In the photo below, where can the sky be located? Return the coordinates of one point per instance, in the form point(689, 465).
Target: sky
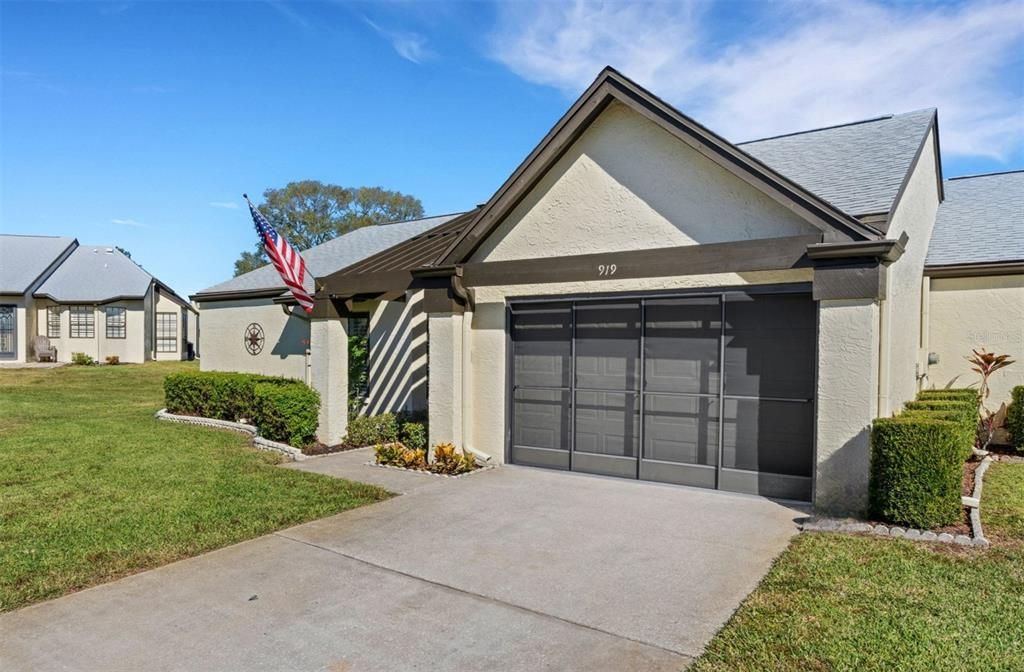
point(140, 124)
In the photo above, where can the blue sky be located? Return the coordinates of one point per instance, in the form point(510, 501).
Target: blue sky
point(140, 124)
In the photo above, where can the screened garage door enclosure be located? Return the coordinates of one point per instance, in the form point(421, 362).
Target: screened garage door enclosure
point(715, 390)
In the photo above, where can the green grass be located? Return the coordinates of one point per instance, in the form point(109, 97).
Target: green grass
point(839, 602)
point(92, 487)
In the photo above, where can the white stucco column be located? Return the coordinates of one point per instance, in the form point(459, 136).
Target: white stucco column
point(444, 378)
point(328, 346)
point(847, 402)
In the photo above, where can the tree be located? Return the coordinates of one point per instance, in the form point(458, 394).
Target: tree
point(309, 213)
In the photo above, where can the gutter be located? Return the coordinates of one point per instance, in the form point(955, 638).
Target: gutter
point(885, 250)
point(975, 269)
point(238, 294)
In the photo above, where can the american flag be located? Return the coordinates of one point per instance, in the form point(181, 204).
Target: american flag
point(286, 259)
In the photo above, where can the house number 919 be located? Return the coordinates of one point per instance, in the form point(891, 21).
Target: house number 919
point(607, 269)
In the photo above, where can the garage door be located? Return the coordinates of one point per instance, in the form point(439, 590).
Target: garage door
point(713, 391)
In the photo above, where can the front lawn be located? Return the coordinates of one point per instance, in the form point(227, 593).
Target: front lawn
point(92, 487)
point(839, 602)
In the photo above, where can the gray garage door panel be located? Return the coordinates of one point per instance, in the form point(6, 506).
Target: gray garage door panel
point(713, 391)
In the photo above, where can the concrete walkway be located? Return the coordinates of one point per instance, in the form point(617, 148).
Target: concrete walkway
point(511, 569)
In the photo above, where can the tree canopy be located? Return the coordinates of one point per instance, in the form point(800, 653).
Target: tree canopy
point(310, 212)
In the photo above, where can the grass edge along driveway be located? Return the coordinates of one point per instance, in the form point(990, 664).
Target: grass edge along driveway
point(93, 487)
point(843, 602)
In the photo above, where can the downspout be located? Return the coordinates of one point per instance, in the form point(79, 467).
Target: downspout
point(926, 335)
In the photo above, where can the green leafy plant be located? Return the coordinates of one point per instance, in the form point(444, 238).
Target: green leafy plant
point(448, 460)
point(82, 359)
point(286, 413)
point(388, 453)
point(414, 435)
point(1015, 418)
point(916, 470)
point(371, 430)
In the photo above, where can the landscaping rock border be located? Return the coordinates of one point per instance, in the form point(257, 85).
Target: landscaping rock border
point(291, 452)
point(371, 463)
point(852, 526)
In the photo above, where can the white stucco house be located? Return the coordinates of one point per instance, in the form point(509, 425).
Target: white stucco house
point(89, 299)
point(644, 299)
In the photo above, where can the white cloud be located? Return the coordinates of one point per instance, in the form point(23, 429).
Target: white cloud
point(129, 222)
point(812, 64)
point(229, 205)
point(409, 45)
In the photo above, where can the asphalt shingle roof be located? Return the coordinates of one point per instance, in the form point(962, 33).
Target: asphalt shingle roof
point(981, 221)
point(93, 274)
point(856, 167)
point(333, 255)
point(24, 258)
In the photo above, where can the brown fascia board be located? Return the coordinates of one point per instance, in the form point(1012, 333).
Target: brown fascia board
point(933, 125)
point(886, 250)
point(238, 294)
point(612, 85)
point(975, 269)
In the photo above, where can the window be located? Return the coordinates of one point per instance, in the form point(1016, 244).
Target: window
point(116, 322)
point(359, 325)
point(53, 322)
point(83, 322)
point(166, 332)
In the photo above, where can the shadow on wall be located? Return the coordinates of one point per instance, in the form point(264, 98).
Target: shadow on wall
point(293, 339)
point(842, 482)
point(398, 358)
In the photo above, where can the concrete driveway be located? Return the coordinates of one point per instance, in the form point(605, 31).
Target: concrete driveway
point(512, 569)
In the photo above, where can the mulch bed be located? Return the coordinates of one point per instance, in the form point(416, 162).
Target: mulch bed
point(323, 449)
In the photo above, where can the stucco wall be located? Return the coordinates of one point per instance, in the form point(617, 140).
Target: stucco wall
point(130, 349)
point(398, 356)
point(628, 184)
point(904, 361)
point(223, 330)
point(969, 313)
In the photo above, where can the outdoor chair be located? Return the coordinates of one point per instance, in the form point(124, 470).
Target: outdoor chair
point(45, 350)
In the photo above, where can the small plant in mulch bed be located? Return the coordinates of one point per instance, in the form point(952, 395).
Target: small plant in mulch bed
point(447, 458)
point(82, 359)
point(987, 363)
point(113, 360)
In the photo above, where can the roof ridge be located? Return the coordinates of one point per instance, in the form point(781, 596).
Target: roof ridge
point(998, 172)
point(869, 120)
point(33, 235)
point(418, 219)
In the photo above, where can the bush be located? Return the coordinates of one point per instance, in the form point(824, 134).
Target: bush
point(388, 453)
point(447, 460)
point(113, 360)
point(369, 431)
point(956, 394)
point(82, 359)
point(286, 413)
point(414, 435)
point(916, 471)
point(1015, 417)
point(233, 396)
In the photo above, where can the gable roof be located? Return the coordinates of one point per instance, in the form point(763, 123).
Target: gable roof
point(858, 167)
point(95, 274)
point(23, 259)
point(980, 222)
point(326, 258)
point(611, 85)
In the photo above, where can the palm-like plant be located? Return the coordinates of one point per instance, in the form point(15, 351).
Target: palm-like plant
point(987, 363)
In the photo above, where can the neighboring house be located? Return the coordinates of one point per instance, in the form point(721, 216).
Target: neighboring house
point(974, 280)
point(251, 323)
point(88, 299)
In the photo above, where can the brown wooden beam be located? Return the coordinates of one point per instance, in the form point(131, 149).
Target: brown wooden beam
point(769, 254)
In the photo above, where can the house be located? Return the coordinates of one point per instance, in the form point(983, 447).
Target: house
point(88, 299)
point(644, 299)
point(251, 324)
point(974, 280)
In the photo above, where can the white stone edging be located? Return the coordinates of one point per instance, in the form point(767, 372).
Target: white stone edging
point(258, 441)
point(977, 537)
point(485, 467)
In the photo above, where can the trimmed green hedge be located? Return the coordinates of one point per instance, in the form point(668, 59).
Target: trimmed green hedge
point(964, 413)
point(1015, 417)
point(956, 394)
point(283, 409)
point(916, 470)
point(371, 430)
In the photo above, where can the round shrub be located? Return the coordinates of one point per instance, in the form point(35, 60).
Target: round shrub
point(286, 413)
point(1015, 417)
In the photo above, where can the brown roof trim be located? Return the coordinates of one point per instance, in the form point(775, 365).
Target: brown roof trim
point(612, 85)
point(933, 125)
point(975, 269)
point(887, 250)
point(239, 294)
